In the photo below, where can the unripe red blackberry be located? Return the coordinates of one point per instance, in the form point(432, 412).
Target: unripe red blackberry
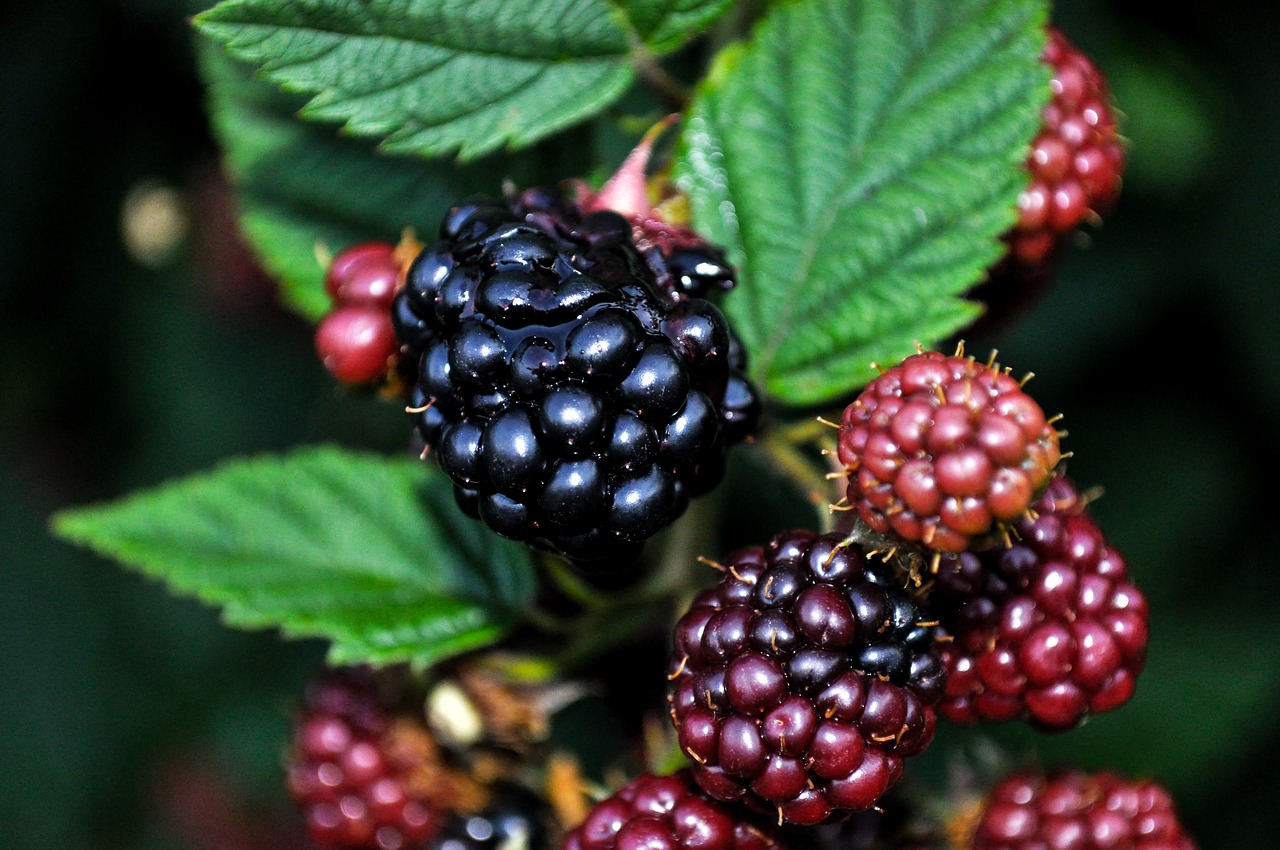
point(668, 813)
point(356, 341)
point(1082, 811)
point(945, 452)
point(1050, 628)
point(802, 680)
point(569, 403)
point(365, 778)
point(1075, 161)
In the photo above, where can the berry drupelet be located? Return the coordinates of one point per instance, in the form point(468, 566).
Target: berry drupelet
point(945, 452)
point(802, 680)
point(1100, 811)
point(668, 813)
point(569, 403)
point(355, 340)
point(1050, 628)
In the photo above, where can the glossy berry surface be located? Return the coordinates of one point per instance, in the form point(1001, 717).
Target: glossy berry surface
point(1082, 811)
point(514, 819)
point(362, 780)
point(366, 273)
point(802, 680)
point(1076, 159)
point(1050, 628)
point(357, 343)
point(570, 404)
point(944, 451)
point(667, 813)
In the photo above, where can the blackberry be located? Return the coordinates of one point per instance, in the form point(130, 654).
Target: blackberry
point(1099, 811)
point(365, 777)
point(356, 341)
point(514, 819)
point(1050, 628)
point(667, 812)
point(1073, 169)
point(1075, 161)
point(801, 681)
point(944, 452)
point(570, 405)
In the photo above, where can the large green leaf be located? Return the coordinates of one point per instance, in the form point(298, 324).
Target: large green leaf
point(302, 184)
point(436, 77)
point(369, 552)
point(859, 159)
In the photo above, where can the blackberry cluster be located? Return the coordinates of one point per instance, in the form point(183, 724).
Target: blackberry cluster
point(569, 403)
point(671, 813)
point(365, 779)
point(1075, 161)
point(1050, 628)
point(355, 340)
point(514, 819)
point(944, 451)
point(1078, 810)
point(802, 680)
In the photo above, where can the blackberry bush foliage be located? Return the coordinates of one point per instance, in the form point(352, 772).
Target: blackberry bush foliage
point(620, 378)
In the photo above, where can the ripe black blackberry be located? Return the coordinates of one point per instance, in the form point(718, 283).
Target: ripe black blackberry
point(514, 819)
point(668, 812)
point(801, 681)
point(1050, 628)
point(569, 403)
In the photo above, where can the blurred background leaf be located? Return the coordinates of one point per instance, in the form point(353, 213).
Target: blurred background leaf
point(125, 361)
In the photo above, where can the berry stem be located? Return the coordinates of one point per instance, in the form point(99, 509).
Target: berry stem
point(674, 94)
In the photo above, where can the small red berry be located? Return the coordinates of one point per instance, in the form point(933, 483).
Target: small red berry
point(367, 273)
point(357, 343)
point(1076, 160)
point(945, 451)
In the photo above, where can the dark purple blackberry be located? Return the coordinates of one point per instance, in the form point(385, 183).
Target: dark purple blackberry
point(569, 403)
point(801, 681)
point(514, 819)
point(668, 813)
point(1050, 628)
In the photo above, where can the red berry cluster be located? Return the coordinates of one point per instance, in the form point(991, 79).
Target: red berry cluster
point(945, 451)
point(1082, 811)
point(1075, 161)
point(364, 779)
point(1049, 628)
point(668, 813)
point(355, 340)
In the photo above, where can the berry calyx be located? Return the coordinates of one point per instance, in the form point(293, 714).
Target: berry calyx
point(1099, 811)
point(945, 452)
point(1050, 628)
point(668, 812)
point(802, 680)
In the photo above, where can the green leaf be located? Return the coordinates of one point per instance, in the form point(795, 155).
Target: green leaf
point(301, 185)
point(437, 77)
point(859, 159)
point(367, 551)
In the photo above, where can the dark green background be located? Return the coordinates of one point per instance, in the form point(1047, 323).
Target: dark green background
point(132, 720)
